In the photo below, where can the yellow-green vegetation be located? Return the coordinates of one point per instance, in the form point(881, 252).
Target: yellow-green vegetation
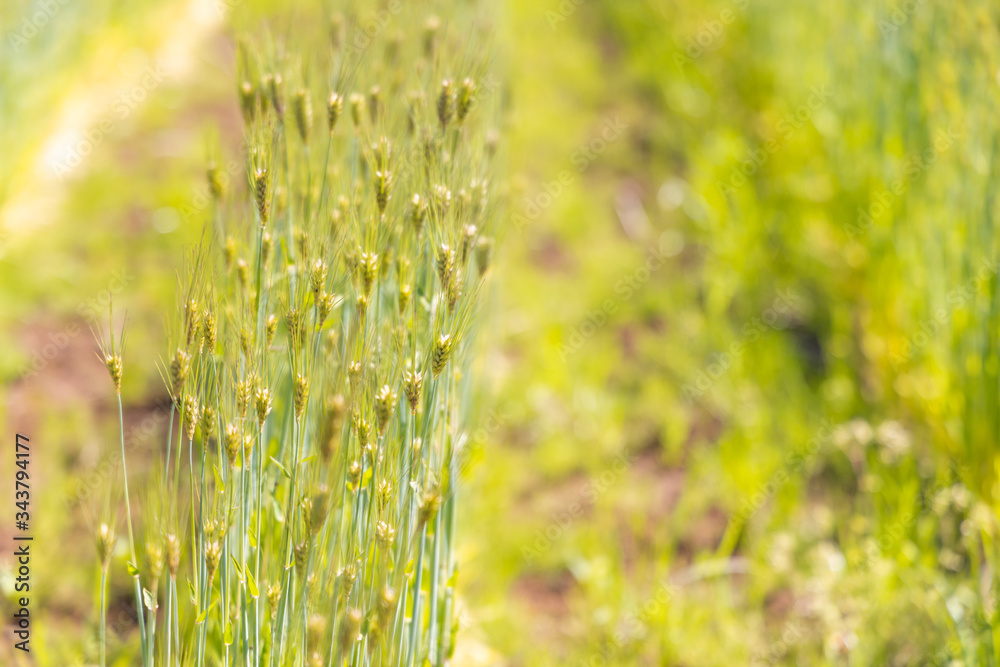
point(736, 395)
point(801, 393)
point(318, 362)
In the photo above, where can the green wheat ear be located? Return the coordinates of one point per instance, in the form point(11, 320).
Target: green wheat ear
point(302, 107)
point(441, 354)
point(334, 108)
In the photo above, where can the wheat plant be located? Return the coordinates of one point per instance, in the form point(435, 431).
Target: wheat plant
point(318, 367)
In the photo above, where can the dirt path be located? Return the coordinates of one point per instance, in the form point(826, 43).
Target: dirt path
point(114, 87)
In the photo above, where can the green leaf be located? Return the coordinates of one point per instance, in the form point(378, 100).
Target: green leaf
point(204, 614)
point(228, 639)
point(453, 578)
point(239, 568)
point(218, 479)
point(253, 539)
point(365, 478)
point(132, 569)
point(280, 467)
point(148, 600)
point(285, 252)
point(194, 596)
point(252, 585)
point(454, 633)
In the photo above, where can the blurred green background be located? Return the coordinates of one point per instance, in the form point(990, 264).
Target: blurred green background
point(743, 378)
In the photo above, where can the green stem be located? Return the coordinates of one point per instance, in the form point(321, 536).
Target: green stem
point(438, 536)
point(415, 611)
point(286, 552)
point(399, 630)
point(260, 512)
point(170, 437)
point(445, 628)
point(131, 538)
point(142, 617)
point(177, 634)
point(244, 611)
point(451, 505)
point(180, 443)
point(150, 645)
point(326, 168)
point(104, 613)
point(169, 621)
point(435, 577)
point(225, 566)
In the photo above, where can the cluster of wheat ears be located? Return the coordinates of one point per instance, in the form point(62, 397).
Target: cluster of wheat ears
point(303, 511)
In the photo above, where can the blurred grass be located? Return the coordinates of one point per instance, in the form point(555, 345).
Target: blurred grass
point(860, 555)
point(791, 224)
